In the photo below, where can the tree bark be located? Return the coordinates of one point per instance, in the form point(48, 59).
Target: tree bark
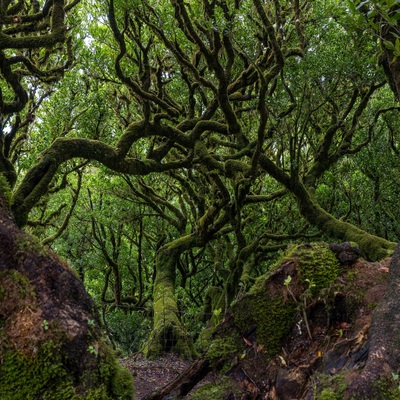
point(168, 332)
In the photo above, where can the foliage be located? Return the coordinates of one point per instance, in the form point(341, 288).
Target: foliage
point(129, 330)
point(166, 148)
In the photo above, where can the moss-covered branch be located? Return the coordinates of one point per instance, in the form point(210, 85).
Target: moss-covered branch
point(35, 42)
point(36, 182)
point(372, 247)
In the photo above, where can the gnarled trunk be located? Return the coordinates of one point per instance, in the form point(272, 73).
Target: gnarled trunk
point(168, 332)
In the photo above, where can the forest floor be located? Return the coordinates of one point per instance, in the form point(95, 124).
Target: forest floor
point(150, 375)
point(327, 352)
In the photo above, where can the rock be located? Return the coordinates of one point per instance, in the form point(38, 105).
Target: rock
point(346, 253)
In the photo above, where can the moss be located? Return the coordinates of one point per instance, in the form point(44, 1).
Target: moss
point(41, 377)
point(386, 389)
point(267, 307)
point(223, 350)
point(272, 318)
point(217, 390)
point(29, 244)
point(329, 394)
point(19, 284)
point(204, 339)
point(332, 387)
point(319, 267)
point(33, 358)
point(116, 378)
point(214, 304)
point(44, 376)
point(5, 190)
point(168, 332)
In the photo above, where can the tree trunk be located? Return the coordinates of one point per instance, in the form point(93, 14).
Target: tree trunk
point(51, 344)
point(168, 332)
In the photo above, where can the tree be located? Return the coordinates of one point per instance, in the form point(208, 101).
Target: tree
point(241, 103)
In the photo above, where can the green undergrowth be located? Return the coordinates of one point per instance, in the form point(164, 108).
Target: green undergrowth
point(224, 388)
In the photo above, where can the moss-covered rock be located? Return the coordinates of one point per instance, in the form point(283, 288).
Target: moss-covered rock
point(270, 317)
point(44, 376)
point(51, 342)
point(272, 303)
point(318, 265)
point(224, 388)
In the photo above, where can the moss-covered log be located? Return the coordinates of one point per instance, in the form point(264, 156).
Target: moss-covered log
point(51, 343)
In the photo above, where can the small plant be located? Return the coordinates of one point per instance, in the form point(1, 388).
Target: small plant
point(94, 349)
point(215, 316)
point(303, 301)
point(396, 379)
point(91, 323)
point(45, 325)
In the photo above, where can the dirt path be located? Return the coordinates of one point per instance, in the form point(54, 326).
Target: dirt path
point(150, 375)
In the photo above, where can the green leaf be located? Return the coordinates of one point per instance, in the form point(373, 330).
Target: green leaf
point(388, 45)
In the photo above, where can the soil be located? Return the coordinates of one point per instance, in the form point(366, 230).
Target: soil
point(150, 375)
